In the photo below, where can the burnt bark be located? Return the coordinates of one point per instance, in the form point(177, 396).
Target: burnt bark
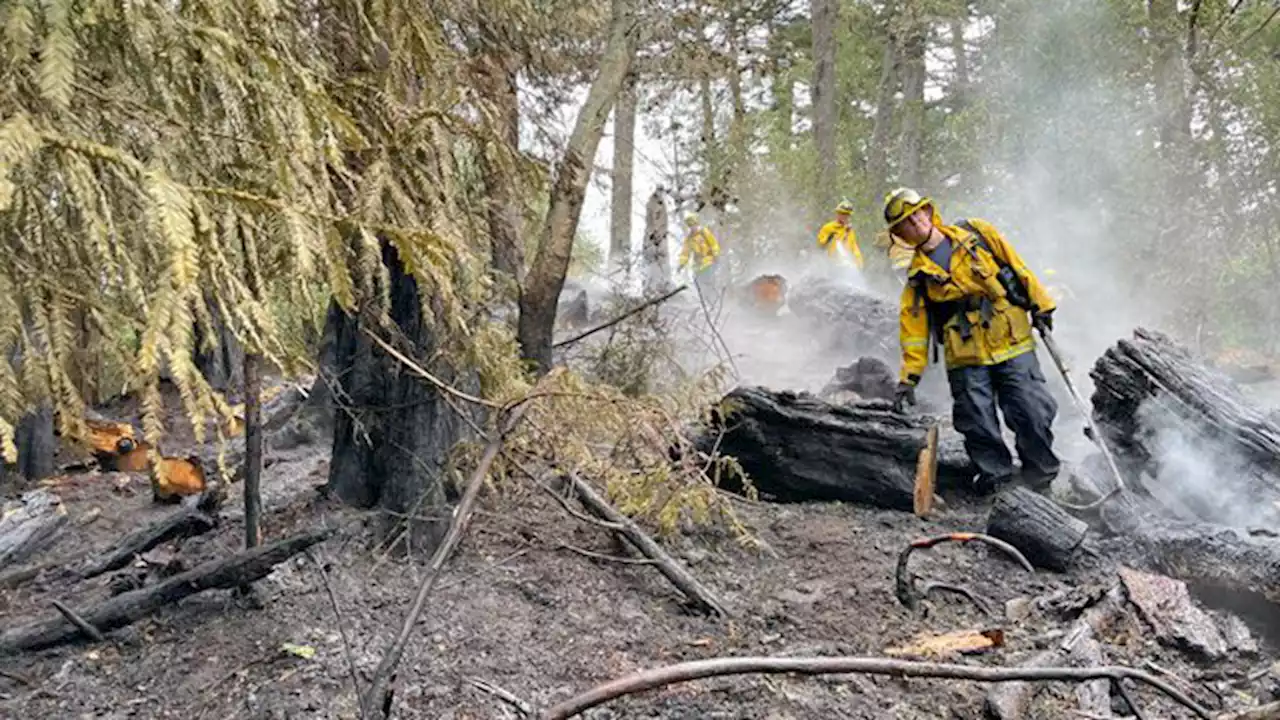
point(34, 438)
point(541, 291)
point(391, 439)
point(795, 447)
point(1206, 448)
point(252, 449)
point(1034, 524)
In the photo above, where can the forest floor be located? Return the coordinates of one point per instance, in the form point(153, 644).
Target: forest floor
point(530, 604)
point(519, 609)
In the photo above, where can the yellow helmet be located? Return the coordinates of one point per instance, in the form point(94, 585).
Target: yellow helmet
point(844, 208)
point(691, 219)
point(900, 203)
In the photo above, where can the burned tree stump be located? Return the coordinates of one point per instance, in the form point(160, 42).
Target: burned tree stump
point(1037, 526)
point(37, 446)
point(1210, 451)
point(391, 440)
point(795, 447)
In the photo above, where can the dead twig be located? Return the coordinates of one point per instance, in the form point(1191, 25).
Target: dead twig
point(342, 626)
point(1128, 698)
point(672, 570)
point(418, 370)
point(20, 679)
point(606, 558)
point(520, 706)
point(716, 667)
point(606, 325)
point(983, 606)
point(377, 699)
point(72, 617)
point(905, 581)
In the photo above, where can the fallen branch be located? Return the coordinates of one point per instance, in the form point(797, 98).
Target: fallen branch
point(606, 325)
point(342, 625)
point(126, 608)
point(29, 524)
point(960, 590)
point(1128, 699)
point(667, 565)
point(716, 667)
point(905, 581)
point(83, 626)
point(376, 701)
point(181, 524)
point(520, 706)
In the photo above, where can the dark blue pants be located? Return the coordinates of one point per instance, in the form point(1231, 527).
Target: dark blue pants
point(1018, 387)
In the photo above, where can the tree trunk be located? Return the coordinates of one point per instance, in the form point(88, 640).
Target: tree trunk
point(624, 149)
point(498, 74)
point(391, 440)
point(253, 449)
point(795, 447)
point(37, 446)
point(555, 242)
point(655, 254)
point(878, 153)
point(1208, 449)
point(218, 353)
point(914, 45)
point(824, 14)
point(960, 76)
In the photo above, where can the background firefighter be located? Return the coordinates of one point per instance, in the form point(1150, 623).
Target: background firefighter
point(956, 295)
point(838, 233)
point(701, 250)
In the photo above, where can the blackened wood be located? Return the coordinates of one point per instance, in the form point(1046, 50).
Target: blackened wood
point(1037, 526)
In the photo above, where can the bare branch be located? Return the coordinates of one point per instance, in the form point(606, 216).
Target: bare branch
point(716, 667)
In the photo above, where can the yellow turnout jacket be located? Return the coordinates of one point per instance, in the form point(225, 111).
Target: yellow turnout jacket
point(833, 234)
point(976, 323)
point(700, 245)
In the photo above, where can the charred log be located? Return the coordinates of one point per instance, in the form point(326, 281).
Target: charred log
point(858, 323)
point(795, 447)
point(1034, 524)
point(124, 609)
point(1209, 451)
point(180, 524)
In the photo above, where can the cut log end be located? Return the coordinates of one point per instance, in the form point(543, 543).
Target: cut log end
point(1034, 524)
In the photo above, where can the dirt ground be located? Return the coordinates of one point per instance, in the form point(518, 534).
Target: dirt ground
point(524, 606)
point(518, 610)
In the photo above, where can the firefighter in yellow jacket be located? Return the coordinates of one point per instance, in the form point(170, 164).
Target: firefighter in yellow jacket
point(838, 233)
point(701, 248)
point(968, 290)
